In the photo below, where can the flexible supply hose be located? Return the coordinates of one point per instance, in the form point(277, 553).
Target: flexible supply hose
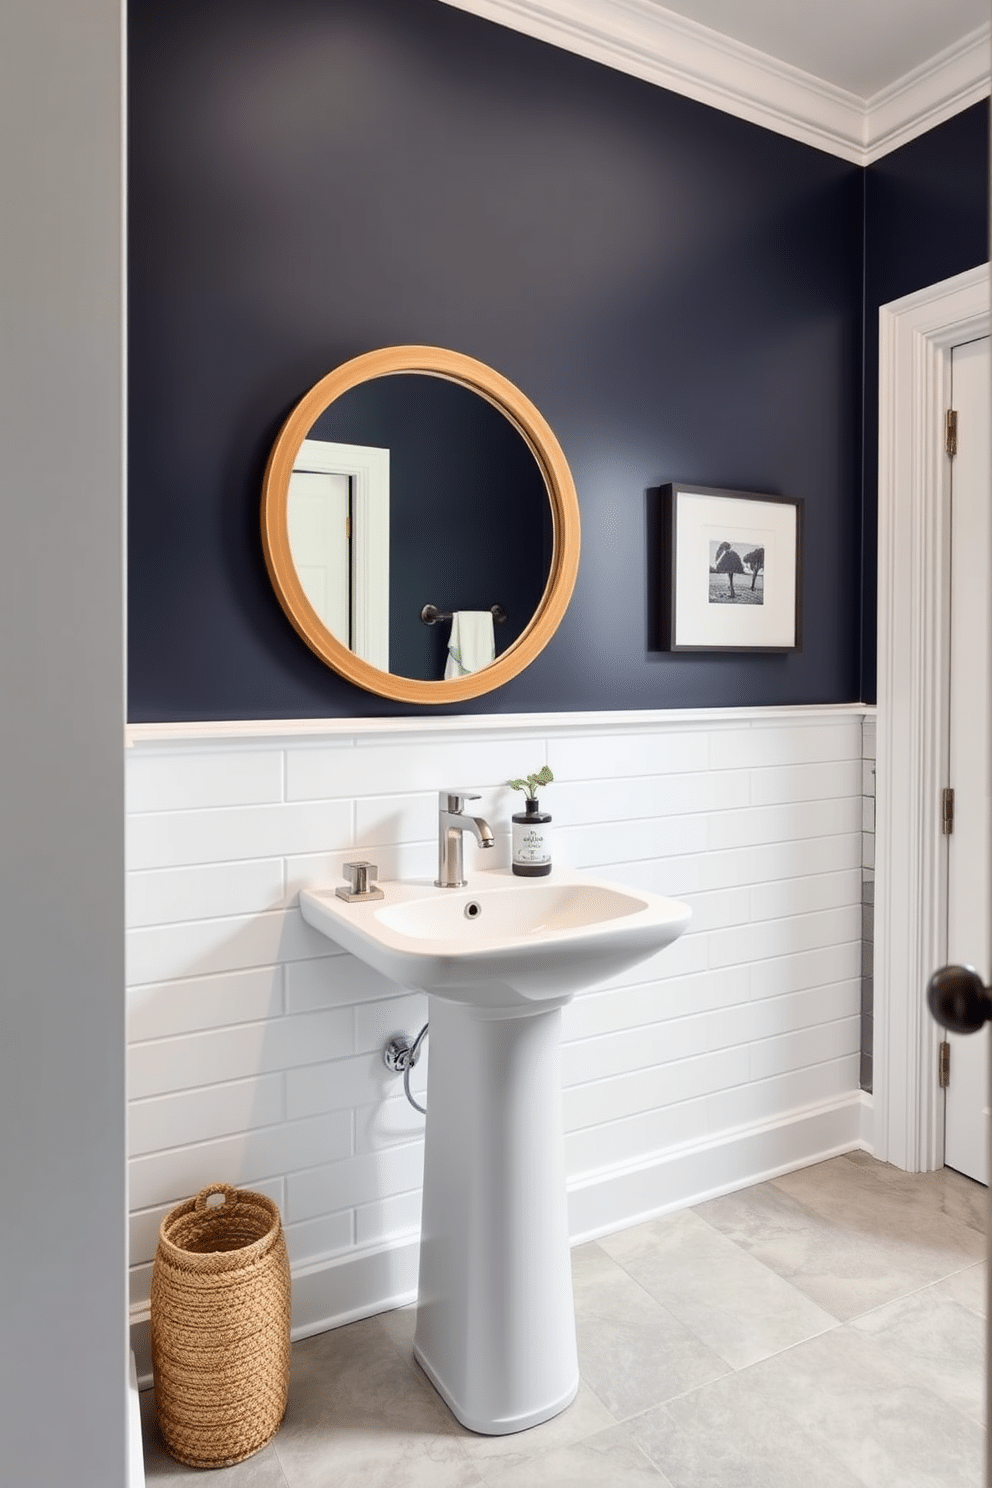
point(412, 1058)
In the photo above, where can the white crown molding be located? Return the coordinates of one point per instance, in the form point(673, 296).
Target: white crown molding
point(953, 80)
point(646, 41)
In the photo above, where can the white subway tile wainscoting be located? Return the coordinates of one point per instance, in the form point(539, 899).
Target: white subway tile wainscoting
point(255, 1050)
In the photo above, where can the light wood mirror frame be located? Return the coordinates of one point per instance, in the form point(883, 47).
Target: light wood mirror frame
point(431, 361)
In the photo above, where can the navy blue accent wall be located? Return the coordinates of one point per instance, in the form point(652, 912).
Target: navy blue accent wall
point(678, 291)
point(926, 219)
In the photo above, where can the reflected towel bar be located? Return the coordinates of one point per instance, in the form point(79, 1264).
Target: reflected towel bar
point(430, 614)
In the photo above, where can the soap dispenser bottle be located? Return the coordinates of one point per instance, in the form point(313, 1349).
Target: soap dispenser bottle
point(531, 840)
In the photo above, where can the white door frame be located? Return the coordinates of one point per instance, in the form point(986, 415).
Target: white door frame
point(916, 335)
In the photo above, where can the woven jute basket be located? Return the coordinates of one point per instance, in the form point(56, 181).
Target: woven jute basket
point(220, 1327)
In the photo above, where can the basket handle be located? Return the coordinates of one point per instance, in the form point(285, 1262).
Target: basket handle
point(230, 1196)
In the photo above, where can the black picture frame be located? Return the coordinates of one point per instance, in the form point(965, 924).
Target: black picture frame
point(731, 570)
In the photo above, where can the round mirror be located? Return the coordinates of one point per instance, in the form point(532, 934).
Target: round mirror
point(420, 525)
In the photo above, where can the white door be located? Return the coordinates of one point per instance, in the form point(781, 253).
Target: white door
point(969, 920)
point(319, 518)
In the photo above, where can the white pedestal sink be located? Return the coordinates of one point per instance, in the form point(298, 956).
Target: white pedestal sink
point(499, 958)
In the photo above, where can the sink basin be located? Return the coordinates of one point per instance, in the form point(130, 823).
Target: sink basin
point(495, 1328)
point(502, 942)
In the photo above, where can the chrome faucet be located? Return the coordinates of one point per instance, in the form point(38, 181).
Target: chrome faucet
point(451, 823)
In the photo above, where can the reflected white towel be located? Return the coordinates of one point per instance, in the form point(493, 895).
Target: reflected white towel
point(471, 645)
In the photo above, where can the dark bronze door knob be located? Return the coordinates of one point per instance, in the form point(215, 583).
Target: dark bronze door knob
point(957, 998)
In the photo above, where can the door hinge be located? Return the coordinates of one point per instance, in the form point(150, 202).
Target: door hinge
point(951, 431)
point(347, 528)
point(944, 1065)
point(947, 810)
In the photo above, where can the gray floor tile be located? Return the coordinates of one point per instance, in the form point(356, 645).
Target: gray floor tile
point(400, 1325)
point(734, 1434)
point(943, 1192)
point(612, 1459)
point(735, 1304)
point(861, 1404)
point(847, 1236)
point(969, 1287)
point(360, 1408)
point(937, 1341)
point(632, 1351)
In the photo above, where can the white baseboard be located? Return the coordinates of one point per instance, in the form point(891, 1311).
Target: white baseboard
point(867, 1122)
point(612, 1200)
point(341, 1289)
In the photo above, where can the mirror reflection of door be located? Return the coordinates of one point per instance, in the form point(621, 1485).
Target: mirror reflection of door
point(320, 537)
point(338, 521)
point(969, 874)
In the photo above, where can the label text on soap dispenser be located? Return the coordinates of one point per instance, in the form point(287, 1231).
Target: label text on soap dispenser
point(531, 844)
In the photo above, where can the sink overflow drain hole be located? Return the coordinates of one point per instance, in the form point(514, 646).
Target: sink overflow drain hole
point(473, 909)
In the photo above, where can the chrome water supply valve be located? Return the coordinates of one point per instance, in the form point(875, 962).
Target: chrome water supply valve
point(400, 1055)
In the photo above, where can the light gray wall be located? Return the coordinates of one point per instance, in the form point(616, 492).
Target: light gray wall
point(62, 1100)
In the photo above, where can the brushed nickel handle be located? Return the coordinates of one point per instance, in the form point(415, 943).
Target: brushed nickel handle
point(359, 884)
point(453, 799)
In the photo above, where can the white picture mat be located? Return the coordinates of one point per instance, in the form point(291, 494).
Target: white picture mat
point(698, 521)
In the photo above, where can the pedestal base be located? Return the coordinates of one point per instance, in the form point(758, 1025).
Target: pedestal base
point(495, 1321)
point(489, 1425)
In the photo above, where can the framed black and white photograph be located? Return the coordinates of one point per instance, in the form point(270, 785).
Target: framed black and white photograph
point(734, 570)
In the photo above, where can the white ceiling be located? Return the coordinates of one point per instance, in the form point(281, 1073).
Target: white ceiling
point(862, 46)
point(855, 77)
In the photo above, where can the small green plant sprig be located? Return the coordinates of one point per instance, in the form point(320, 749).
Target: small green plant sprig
point(530, 783)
